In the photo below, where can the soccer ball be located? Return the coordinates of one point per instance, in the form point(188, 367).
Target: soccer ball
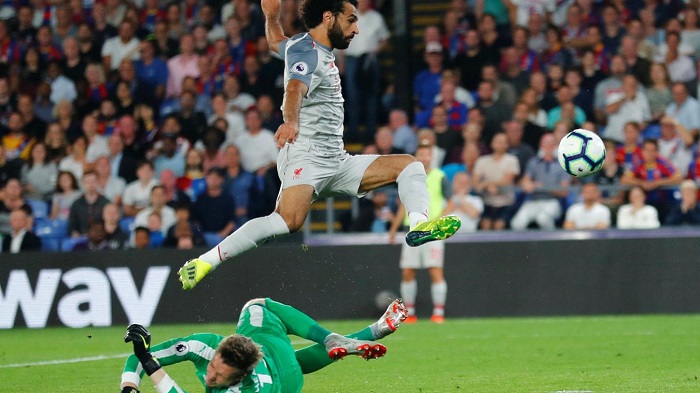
point(581, 153)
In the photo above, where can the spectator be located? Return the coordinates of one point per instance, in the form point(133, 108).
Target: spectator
point(111, 186)
point(375, 213)
point(33, 126)
point(610, 175)
point(470, 154)
point(192, 183)
point(609, 88)
point(56, 143)
point(191, 121)
point(88, 208)
point(124, 46)
point(165, 45)
point(629, 154)
point(96, 239)
point(212, 140)
point(48, 51)
point(123, 99)
point(564, 97)
point(362, 75)
point(32, 73)
point(684, 108)
point(636, 214)
point(39, 175)
point(582, 98)
point(97, 86)
point(184, 234)
point(513, 72)
point(470, 63)
point(238, 101)
point(114, 235)
point(426, 136)
point(142, 238)
point(556, 52)
point(589, 213)
point(74, 66)
point(591, 72)
point(215, 209)
point(522, 151)
point(173, 195)
point(504, 92)
point(66, 192)
point(456, 111)
point(494, 177)
point(687, 212)
point(97, 144)
point(238, 182)
point(637, 66)
point(168, 157)
point(676, 144)
point(13, 200)
point(151, 69)
point(20, 239)
point(655, 175)
point(405, 137)
point(680, 67)
point(611, 29)
point(629, 105)
point(492, 40)
point(123, 166)
point(184, 64)
point(521, 10)
point(659, 91)
point(270, 115)
point(537, 39)
point(137, 193)
point(234, 119)
point(15, 141)
point(155, 225)
point(132, 145)
point(257, 146)
point(544, 185)
point(645, 48)
point(271, 70)
point(76, 162)
point(426, 84)
point(89, 46)
point(536, 115)
point(531, 132)
point(495, 113)
point(691, 31)
point(464, 204)
point(157, 205)
point(8, 170)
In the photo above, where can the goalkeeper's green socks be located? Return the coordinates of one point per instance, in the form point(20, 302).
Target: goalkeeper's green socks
point(298, 323)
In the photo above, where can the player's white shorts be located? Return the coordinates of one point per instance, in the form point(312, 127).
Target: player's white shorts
point(339, 174)
point(422, 257)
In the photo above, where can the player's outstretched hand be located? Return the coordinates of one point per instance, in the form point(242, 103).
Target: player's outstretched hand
point(140, 337)
point(286, 133)
point(271, 8)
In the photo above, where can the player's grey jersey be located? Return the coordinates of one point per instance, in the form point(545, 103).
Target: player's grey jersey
point(321, 116)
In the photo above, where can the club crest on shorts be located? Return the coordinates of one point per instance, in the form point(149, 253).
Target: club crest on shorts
point(300, 68)
point(297, 173)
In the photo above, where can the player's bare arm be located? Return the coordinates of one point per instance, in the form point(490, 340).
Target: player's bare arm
point(293, 95)
point(273, 28)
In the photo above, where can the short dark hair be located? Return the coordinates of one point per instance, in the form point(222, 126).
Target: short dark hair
point(311, 11)
point(651, 141)
point(142, 229)
point(240, 352)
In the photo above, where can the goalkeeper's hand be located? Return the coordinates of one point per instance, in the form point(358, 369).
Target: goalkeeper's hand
point(140, 337)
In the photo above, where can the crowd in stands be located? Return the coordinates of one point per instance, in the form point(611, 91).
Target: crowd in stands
point(147, 123)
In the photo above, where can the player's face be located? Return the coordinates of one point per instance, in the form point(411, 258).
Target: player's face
point(219, 374)
point(344, 28)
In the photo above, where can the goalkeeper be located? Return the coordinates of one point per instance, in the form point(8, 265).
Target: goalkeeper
point(260, 356)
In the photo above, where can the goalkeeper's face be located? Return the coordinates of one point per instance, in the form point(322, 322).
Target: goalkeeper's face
point(220, 374)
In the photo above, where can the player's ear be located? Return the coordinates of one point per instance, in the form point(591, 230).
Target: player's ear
point(328, 19)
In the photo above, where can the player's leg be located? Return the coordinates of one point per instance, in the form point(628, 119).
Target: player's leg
point(337, 346)
point(410, 176)
point(526, 213)
point(289, 216)
point(548, 212)
point(315, 357)
point(434, 261)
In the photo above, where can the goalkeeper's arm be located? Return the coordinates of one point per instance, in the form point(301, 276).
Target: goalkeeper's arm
point(141, 339)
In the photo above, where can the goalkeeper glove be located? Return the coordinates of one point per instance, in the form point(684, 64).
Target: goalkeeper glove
point(141, 338)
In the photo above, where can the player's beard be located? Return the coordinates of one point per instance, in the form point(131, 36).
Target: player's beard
point(337, 38)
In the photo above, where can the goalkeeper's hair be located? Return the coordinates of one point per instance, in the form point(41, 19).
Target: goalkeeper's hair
point(240, 352)
point(311, 11)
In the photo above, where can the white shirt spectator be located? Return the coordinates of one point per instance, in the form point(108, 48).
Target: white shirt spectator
point(677, 152)
point(682, 69)
point(527, 7)
point(16, 242)
point(236, 125)
point(119, 51)
point(468, 224)
point(115, 187)
point(374, 30)
point(71, 165)
point(97, 148)
point(645, 218)
point(462, 96)
point(687, 114)
point(257, 150)
point(167, 218)
point(241, 102)
point(636, 109)
point(138, 196)
point(63, 88)
point(585, 218)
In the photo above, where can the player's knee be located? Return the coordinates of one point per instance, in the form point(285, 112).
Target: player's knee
point(294, 220)
point(254, 302)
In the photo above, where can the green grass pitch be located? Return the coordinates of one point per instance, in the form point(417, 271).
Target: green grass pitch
point(567, 354)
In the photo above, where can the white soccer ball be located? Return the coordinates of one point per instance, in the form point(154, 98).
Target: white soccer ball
point(581, 153)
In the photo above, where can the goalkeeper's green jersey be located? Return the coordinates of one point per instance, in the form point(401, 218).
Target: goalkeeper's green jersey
point(199, 349)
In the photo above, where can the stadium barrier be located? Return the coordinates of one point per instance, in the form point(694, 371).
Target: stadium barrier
point(343, 277)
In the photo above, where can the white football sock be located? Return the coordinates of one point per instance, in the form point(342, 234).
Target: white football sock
point(438, 291)
point(252, 234)
point(414, 192)
point(409, 289)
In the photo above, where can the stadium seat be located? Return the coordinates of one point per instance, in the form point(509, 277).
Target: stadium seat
point(127, 224)
point(212, 238)
point(40, 209)
point(51, 232)
point(68, 243)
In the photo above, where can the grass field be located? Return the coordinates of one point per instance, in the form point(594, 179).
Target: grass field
point(592, 354)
